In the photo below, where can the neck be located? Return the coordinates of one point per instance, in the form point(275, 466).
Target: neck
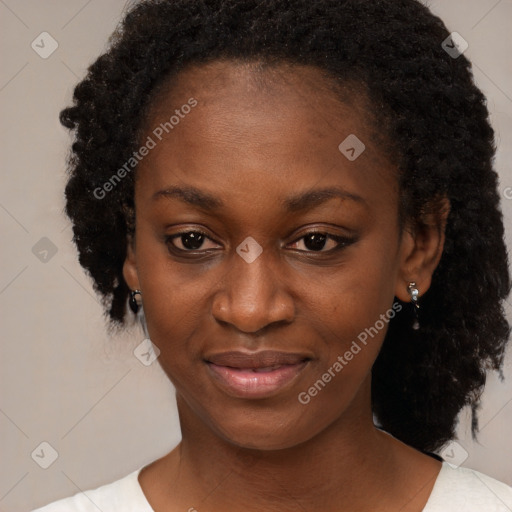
point(343, 464)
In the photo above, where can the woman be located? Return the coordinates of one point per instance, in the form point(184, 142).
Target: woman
point(298, 201)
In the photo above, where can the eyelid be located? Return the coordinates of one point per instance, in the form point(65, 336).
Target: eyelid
point(341, 240)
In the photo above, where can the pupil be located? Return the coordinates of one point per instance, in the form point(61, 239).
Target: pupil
point(315, 241)
point(192, 240)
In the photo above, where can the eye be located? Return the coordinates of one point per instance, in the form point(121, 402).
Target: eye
point(314, 241)
point(189, 241)
point(317, 241)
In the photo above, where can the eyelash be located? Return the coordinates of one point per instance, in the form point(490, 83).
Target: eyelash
point(340, 240)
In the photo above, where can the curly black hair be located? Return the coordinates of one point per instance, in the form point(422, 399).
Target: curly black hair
point(436, 125)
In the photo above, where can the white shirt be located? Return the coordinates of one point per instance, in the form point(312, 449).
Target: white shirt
point(455, 490)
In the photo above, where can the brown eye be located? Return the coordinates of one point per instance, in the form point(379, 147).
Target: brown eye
point(317, 241)
point(189, 240)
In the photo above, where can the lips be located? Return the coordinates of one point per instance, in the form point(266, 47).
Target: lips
point(255, 360)
point(255, 375)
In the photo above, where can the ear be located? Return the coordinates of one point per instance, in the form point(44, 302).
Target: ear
point(130, 266)
point(421, 249)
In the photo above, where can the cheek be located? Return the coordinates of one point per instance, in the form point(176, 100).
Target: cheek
point(172, 295)
point(350, 314)
point(351, 298)
point(352, 321)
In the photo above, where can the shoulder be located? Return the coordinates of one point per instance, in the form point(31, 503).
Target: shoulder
point(466, 490)
point(122, 495)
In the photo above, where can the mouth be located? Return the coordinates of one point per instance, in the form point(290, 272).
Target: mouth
point(255, 375)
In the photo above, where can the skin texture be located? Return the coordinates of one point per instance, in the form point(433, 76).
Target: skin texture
point(255, 138)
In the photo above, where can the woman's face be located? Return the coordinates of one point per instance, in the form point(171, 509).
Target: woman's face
point(248, 167)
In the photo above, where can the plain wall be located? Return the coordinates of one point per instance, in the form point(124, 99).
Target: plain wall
point(64, 380)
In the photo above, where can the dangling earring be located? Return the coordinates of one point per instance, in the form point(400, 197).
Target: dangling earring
point(134, 305)
point(414, 293)
point(137, 308)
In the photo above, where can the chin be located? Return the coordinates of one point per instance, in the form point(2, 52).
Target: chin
point(262, 442)
point(275, 431)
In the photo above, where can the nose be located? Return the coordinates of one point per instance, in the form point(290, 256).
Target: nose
point(254, 295)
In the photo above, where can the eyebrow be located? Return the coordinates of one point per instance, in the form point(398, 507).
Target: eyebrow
point(302, 201)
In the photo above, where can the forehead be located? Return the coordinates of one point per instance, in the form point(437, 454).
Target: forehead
point(261, 130)
point(258, 86)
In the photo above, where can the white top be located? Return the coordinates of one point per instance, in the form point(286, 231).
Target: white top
point(456, 490)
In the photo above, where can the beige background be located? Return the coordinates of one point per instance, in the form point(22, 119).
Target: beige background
point(63, 379)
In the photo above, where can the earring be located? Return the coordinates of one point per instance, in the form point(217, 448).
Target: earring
point(134, 305)
point(414, 293)
point(137, 308)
